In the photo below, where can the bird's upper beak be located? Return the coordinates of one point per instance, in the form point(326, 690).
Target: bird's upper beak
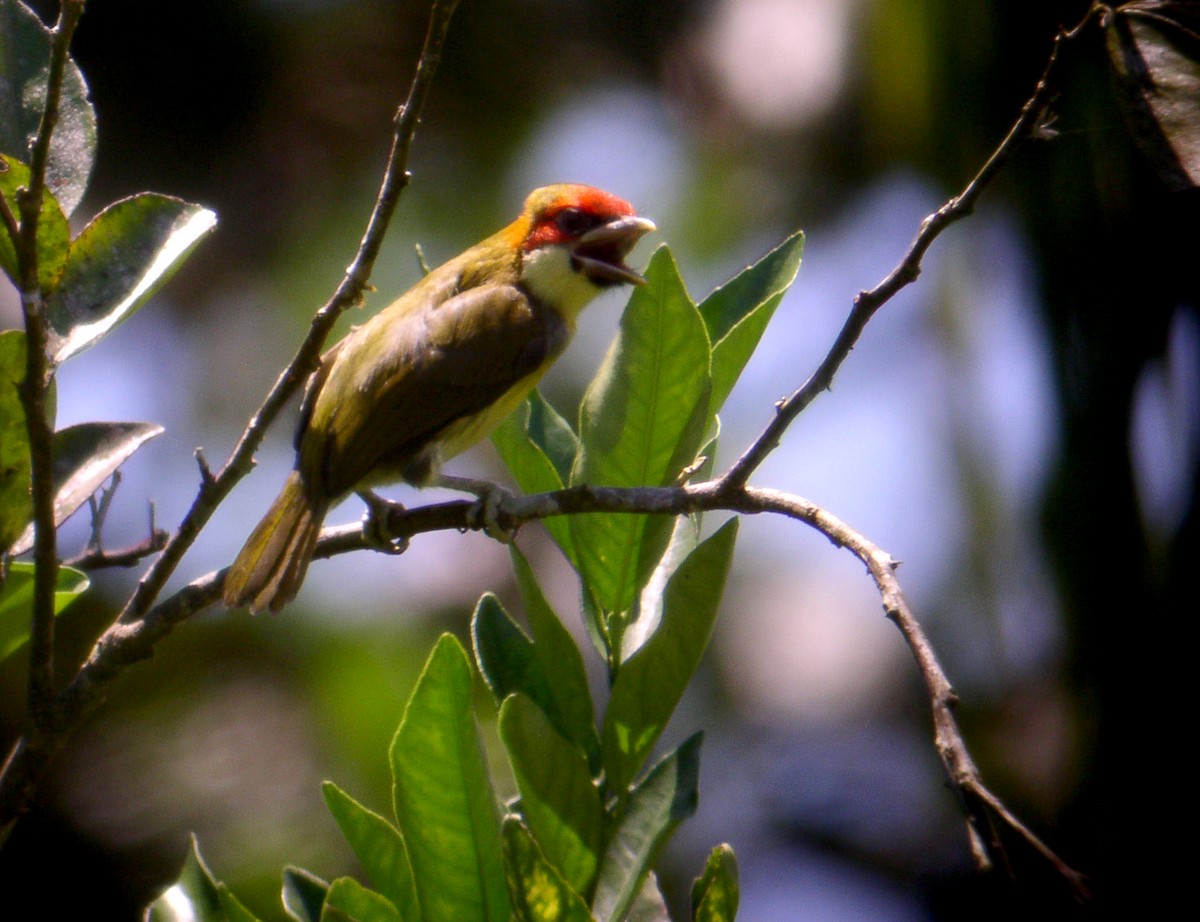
point(601, 251)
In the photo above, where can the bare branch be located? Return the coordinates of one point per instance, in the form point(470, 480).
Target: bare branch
point(1027, 125)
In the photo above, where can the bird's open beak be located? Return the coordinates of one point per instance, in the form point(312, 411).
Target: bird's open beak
point(601, 251)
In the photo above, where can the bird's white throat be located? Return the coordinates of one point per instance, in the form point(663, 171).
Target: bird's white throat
point(550, 277)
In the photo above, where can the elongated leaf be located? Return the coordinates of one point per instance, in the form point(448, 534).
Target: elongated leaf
point(117, 262)
point(715, 892)
point(197, 896)
point(24, 59)
point(656, 807)
point(85, 456)
point(737, 313)
point(650, 683)
point(649, 904)
point(350, 901)
point(571, 710)
point(539, 892)
point(506, 656)
point(54, 234)
point(559, 800)
point(644, 410)
point(303, 894)
point(15, 506)
point(443, 798)
point(16, 602)
point(538, 446)
point(1154, 48)
point(378, 846)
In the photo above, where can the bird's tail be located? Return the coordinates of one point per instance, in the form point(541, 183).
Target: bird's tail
point(270, 567)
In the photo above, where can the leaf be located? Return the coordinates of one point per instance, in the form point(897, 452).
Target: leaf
point(559, 800)
point(16, 602)
point(715, 892)
point(538, 446)
point(539, 892)
point(656, 807)
point(117, 262)
point(1154, 49)
point(303, 894)
point(736, 314)
point(443, 798)
point(643, 412)
point(650, 683)
point(15, 507)
point(378, 846)
point(85, 456)
point(24, 60)
point(54, 234)
point(197, 896)
point(648, 905)
point(350, 901)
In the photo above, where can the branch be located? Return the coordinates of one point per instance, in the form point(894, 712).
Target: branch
point(32, 753)
point(37, 380)
point(867, 303)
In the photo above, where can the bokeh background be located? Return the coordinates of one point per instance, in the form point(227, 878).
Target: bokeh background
point(1021, 428)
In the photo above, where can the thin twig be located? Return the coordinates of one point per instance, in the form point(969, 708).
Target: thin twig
point(867, 303)
point(31, 754)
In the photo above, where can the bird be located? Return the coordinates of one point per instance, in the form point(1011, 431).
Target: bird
point(436, 371)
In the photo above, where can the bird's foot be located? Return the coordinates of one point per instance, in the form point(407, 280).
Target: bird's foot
point(484, 514)
point(374, 524)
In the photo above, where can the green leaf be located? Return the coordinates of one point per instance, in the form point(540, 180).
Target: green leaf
point(656, 807)
point(378, 846)
point(643, 412)
point(736, 314)
point(54, 234)
point(85, 456)
point(571, 709)
point(1154, 49)
point(715, 892)
point(539, 892)
point(559, 800)
point(648, 905)
point(538, 446)
point(303, 894)
point(650, 683)
point(443, 798)
point(15, 507)
point(117, 262)
point(197, 896)
point(16, 602)
point(24, 59)
point(350, 901)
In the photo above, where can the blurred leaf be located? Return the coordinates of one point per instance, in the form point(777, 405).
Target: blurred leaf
point(15, 505)
point(85, 456)
point(666, 798)
point(379, 849)
point(559, 800)
point(117, 262)
point(539, 892)
point(54, 234)
point(197, 896)
point(650, 683)
point(16, 601)
point(350, 901)
point(737, 313)
point(538, 446)
point(648, 905)
point(715, 892)
point(443, 798)
point(303, 894)
point(571, 709)
point(1154, 48)
point(24, 60)
point(642, 412)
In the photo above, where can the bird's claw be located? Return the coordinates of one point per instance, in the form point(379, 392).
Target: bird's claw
point(491, 501)
point(374, 524)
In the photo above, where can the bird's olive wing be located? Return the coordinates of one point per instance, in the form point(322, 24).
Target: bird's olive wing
point(409, 378)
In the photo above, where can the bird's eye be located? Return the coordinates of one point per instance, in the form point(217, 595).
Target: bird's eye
point(574, 221)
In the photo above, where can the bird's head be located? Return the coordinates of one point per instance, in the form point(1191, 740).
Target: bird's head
point(573, 243)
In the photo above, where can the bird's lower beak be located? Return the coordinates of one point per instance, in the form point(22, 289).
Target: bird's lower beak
point(601, 251)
